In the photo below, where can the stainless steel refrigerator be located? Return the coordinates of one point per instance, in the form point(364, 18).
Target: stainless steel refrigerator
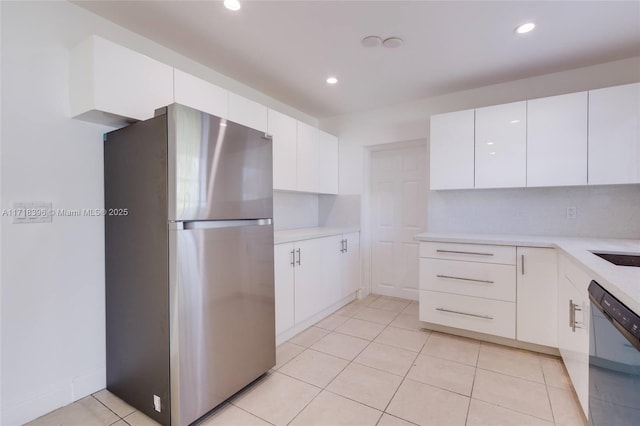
point(189, 262)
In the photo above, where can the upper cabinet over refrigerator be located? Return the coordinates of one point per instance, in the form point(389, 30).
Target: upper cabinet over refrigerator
point(217, 169)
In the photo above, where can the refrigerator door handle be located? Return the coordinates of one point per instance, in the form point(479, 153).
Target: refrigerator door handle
point(212, 224)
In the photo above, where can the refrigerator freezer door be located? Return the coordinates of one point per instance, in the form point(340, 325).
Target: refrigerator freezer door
point(218, 169)
point(222, 313)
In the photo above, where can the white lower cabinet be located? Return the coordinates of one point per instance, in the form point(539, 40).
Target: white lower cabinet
point(284, 262)
point(318, 269)
point(469, 278)
point(350, 263)
point(488, 316)
point(505, 291)
point(313, 275)
point(537, 288)
point(573, 330)
point(469, 286)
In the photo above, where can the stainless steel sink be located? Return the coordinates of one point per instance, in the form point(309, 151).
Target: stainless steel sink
point(620, 259)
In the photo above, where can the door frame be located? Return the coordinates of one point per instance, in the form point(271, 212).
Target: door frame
point(366, 222)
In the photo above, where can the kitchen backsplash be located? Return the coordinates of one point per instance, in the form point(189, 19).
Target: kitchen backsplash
point(339, 210)
point(602, 211)
point(294, 210)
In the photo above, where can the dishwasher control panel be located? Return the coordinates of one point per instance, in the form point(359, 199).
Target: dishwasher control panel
point(616, 312)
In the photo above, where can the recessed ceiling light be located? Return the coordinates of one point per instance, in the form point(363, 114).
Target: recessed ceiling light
point(525, 28)
point(371, 41)
point(332, 80)
point(514, 121)
point(232, 4)
point(392, 42)
point(489, 143)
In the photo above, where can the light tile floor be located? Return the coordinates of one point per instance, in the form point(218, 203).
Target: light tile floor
point(370, 363)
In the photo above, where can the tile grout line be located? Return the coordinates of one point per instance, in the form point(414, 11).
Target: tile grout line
point(546, 388)
point(107, 407)
point(405, 375)
point(248, 412)
point(346, 366)
point(473, 384)
point(330, 381)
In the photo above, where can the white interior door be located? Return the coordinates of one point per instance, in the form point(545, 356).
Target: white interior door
point(398, 212)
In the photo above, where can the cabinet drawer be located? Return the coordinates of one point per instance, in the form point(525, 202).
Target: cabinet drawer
point(470, 313)
point(490, 281)
point(471, 252)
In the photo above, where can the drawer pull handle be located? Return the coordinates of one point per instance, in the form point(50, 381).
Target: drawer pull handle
point(464, 313)
point(464, 252)
point(465, 279)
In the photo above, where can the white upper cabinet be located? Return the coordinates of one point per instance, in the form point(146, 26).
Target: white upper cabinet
point(452, 150)
point(557, 140)
point(111, 84)
point(308, 164)
point(614, 135)
point(304, 158)
point(501, 146)
point(200, 94)
point(328, 167)
point(284, 130)
point(247, 112)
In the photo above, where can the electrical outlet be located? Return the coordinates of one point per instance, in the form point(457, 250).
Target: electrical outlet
point(156, 403)
point(572, 212)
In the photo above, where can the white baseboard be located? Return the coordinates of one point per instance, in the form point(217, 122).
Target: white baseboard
point(286, 335)
point(19, 412)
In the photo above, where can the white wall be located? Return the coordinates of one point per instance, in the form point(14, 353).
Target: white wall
point(294, 210)
point(52, 275)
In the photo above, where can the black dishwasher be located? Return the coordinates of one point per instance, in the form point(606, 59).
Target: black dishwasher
point(614, 362)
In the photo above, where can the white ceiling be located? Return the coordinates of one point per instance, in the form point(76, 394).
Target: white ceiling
point(286, 49)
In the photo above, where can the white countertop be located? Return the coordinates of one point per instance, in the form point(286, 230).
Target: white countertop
point(621, 281)
point(289, 235)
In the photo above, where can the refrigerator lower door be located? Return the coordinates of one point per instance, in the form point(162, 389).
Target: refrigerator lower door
point(222, 315)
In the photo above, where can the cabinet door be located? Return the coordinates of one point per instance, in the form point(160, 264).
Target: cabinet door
point(308, 152)
point(108, 78)
point(557, 140)
point(247, 112)
point(308, 270)
point(284, 286)
point(351, 264)
point(328, 163)
point(537, 296)
point(574, 344)
point(614, 135)
point(200, 94)
point(283, 129)
point(501, 146)
point(330, 267)
point(451, 150)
